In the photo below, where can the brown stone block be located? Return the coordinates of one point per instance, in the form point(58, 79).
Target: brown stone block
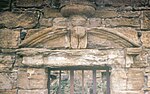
point(9, 38)
point(117, 3)
point(30, 3)
point(128, 92)
point(12, 20)
point(78, 20)
point(126, 22)
point(106, 13)
point(145, 23)
point(133, 73)
point(8, 80)
point(46, 22)
point(8, 91)
point(51, 13)
point(94, 22)
point(135, 79)
point(130, 14)
point(60, 21)
point(146, 39)
point(44, 91)
point(32, 79)
point(135, 84)
point(6, 62)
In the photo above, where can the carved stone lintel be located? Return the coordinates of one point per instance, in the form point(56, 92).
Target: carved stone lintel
point(78, 37)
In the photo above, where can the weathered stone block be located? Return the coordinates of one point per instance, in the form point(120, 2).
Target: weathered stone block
point(135, 79)
point(130, 14)
point(118, 80)
point(9, 38)
point(46, 22)
point(8, 80)
point(127, 22)
point(94, 22)
point(32, 79)
point(44, 91)
point(60, 22)
point(51, 13)
point(145, 23)
point(78, 20)
point(128, 92)
point(106, 13)
point(6, 62)
point(38, 60)
point(117, 3)
point(8, 91)
point(146, 39)
point(12, 20)
point(30, 3)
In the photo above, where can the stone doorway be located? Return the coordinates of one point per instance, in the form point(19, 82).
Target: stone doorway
point(79, 80)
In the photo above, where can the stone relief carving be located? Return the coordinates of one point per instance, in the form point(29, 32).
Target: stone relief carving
point(78, 37)
point(81, 37)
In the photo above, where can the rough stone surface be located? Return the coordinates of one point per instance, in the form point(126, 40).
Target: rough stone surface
point(9, 38)
point(8, 91)
point(32, 79)
point(115, 58)
point(60, 22)
point(13, 20)
point(94, 22)
point(6, 62)
point(135, 79)
point(78, 20)
point(146, 20)
point(51, 13)
point(106, 13)
point(8, 81)
point(130, 14)
point(145, 39)
point(44, 91)
point(118, 80)
point(117, 3)
point(30, 3)
point(96, 34)
point(127, 22)
point(46, 22)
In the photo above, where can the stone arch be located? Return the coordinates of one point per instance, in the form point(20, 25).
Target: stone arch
point(94, 38)
point(113, 38)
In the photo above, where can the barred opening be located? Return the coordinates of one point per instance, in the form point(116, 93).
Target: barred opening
point(79, 80)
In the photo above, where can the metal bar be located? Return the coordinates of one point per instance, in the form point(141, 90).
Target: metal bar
point(49, 81)
point(59, 90)
point(71, 81)
point(82, 81)
point(108, 81)
point(94, 81)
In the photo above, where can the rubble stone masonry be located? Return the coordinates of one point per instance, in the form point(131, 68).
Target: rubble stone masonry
point(39, 34)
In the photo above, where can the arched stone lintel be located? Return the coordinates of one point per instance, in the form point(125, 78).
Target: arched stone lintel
point(119, 35)
point(45, 34)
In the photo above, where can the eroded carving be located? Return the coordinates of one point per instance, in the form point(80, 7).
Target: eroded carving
point(78, 37)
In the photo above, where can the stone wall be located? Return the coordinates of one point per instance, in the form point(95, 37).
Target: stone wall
point(35, 35)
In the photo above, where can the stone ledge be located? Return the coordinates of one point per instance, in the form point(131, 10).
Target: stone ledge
point(68, 58)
